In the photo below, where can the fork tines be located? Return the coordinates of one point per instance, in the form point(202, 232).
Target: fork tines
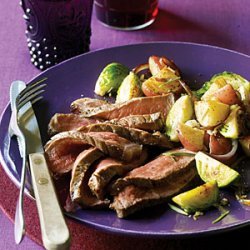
point(31, 93)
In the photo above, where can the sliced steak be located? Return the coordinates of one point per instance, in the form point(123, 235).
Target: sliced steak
point(61, 153)
point(109, 143)
point(135, 106)
point(133, 198)
point(86, 104)
point(149, 122)
point(132, 134)
point(66, 122)
point(156, 172)
point(79, 189)
point(107, 169)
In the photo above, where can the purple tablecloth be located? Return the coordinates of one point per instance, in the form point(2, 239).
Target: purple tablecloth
point(222, 23)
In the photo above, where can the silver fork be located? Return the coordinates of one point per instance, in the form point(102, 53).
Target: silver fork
point(30, 94)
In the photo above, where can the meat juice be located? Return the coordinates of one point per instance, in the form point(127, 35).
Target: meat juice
point(126, 14)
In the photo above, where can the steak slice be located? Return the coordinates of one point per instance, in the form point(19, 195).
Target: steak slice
point(157, 172)
point(132, 134)
point(135, 106)
point(133, 198)
point(79, 189)
point(86, 104)
point(61, 153)
point(66, 122)
point(107, 169)
point(148, 122)
point(109, 143)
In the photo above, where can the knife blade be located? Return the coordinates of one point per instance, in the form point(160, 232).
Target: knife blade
point(55, 233)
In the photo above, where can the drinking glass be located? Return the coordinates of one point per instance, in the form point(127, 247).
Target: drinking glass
point(56, 29)
point(126, 14)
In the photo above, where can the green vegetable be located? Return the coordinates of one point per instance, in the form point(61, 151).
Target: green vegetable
point(210, 169)
point(111, 78)
point(199, 198)
point(200, 92)
point(130, 88)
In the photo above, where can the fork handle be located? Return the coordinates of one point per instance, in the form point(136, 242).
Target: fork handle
point(55, 233)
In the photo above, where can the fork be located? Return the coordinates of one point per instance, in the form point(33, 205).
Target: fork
point(30, 94)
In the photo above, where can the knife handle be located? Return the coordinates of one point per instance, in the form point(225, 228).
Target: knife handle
point(55, 233)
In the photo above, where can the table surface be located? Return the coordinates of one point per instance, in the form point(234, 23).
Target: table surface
point(222, 23)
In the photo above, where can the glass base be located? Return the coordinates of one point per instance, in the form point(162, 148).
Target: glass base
point(138, 27)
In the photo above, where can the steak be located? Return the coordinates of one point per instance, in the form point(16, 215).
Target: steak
point(65, 122)
point(109, 168)
point(79, 190)
point(61, 153)
point(133, 198)
point(135, 106)
point(132, 134)
point(107, 142)
point(86, 104)
point(156, 172)
point(148, 122)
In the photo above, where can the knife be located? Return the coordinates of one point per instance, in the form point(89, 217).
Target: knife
point(55, 233)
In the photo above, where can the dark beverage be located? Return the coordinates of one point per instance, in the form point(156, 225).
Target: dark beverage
point(126, 14)
point(56, 29)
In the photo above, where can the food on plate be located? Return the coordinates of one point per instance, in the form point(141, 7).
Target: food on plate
point(210, 169)
point(198, 199)
point(159, 140)
point(191, 138)
point(211, 113)
point(129, 88)
point(111, 78)
point(135, 106)
point(181, 111)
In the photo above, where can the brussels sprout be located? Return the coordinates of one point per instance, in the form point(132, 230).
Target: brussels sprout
point(210, 169)
point(200, 92)
point(110, 78)
point(130, 88)
point(199, 198)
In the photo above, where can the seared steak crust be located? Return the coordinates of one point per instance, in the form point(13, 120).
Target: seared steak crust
point(66, 122)
point(79, 190)
point(132, 134)
point(156, 172)
point(109, 143)
point(108, 168)
point(148, 122)
point(133, 198)
point(135, 106)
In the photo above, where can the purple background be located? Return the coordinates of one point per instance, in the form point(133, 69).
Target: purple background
point(223, 23)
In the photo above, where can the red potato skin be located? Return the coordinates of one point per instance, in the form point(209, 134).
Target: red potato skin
point(219, 145)
point(187, 144)
point(228, 95)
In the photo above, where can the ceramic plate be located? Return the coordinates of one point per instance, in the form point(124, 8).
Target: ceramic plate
point(76, 78)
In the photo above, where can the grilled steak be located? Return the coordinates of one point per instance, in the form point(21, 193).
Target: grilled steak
point(135, 106)
point(79, 190)
point(66, 122)
point(133, 198)
point(61, 153)
point(132, 134)
point(156, 172)
point(108, 168)
point(109, 143)
point(86, 104)
point(149, 122)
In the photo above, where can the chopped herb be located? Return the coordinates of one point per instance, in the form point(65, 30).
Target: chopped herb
point(179, 154)
point(224, 212)
point(177, 209)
